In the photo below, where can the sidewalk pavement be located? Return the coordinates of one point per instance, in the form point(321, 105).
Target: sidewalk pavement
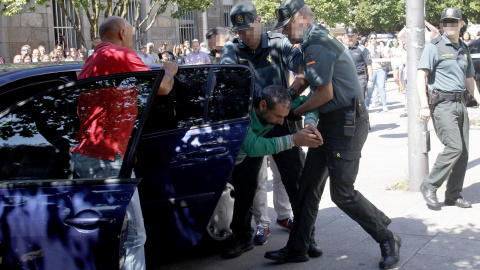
point(448, 238)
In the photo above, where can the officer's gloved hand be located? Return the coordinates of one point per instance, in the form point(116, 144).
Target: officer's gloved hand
point(293, 117)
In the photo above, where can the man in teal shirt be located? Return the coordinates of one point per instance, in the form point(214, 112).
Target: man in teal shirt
point(271, 105)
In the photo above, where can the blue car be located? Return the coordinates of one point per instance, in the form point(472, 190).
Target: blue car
point(180, 156)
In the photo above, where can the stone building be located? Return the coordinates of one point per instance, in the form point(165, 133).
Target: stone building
point(47, 24)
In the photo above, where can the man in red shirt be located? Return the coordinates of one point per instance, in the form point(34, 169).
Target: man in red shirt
point(107, 117)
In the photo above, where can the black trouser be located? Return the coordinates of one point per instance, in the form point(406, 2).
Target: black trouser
point(362, 78)
point(339, 157)
point(245, 177)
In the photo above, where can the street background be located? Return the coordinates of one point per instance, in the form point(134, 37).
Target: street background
point(445, 238)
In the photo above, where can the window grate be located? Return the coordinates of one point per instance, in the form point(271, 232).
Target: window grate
point(65, 34)
point(226, 15)
point(187, 29)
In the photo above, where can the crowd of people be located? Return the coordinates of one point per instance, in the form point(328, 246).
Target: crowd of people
point(336, 116)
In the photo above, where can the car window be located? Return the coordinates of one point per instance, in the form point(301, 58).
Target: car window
point(38, 134)
point(202, 96)
point(475, 49)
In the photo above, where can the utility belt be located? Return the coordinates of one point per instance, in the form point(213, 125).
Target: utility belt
point(348, 114)
point(436, 96)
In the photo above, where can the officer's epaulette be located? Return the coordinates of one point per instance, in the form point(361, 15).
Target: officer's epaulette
point(274, 35)
point(436, 40)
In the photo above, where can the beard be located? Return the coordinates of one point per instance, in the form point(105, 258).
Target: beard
point(263, 120)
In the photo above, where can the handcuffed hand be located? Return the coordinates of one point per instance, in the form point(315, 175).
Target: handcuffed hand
point(309, 136)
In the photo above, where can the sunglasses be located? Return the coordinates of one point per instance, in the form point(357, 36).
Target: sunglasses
point(25, 49)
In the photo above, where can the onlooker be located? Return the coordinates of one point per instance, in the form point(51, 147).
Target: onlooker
point(466, 38)
point(146, 58)
point(165, 57)
point(59, 52)
point(197, 57)
point(186, 47)
point(18, 59)
point(150, 50)
point(114, 125)
point(25, 49)
point(396, 56)
point(45, 58)
point(27, 58)
point(216, 38)
point(178, 54)
point(164, 48)
point(2, 60)
point(448, 77)
point(203, 47)
point(73, 56)
point(42, 50)
point(379, 73)
point(36, 55)
point(96, 41)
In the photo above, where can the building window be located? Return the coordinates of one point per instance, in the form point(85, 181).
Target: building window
point(187, 29)
point(65, 34)
point(131, 13)
point(226, 15)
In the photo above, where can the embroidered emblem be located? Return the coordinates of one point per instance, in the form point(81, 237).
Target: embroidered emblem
point(309, 63)
point(331, 36)
point(268, 59)
point(338, 155)
point(447, 56)
point(239, 18)
point(449, 12)
point(295, 46)
point(242, 59)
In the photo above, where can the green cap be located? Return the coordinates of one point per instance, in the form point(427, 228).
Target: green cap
point(286, 10)
point(452, 13)
point(243, 15)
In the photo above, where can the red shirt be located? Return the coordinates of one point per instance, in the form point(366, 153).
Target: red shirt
point(107, 116)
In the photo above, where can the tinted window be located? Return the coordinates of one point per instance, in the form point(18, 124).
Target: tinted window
point(36, 137)
point(475, 49)
point(202, 96)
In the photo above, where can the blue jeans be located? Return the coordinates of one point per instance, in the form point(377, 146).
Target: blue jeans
point(379, 77)
point(91, 167)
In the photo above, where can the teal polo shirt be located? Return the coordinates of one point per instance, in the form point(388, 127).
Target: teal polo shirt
point(448, 64)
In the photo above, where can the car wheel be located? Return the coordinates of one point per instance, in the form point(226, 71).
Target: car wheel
point(219, 226)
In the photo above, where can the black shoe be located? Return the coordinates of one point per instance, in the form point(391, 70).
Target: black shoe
point(314, 250)
point(237, 249)
point(460, 202)
point(390, 251)
point(287, 255)
point(429, 196)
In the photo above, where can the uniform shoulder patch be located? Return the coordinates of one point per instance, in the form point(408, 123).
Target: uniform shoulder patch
point(310, 63)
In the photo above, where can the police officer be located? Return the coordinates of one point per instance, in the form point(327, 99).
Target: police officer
point(338, 98)
point(271, 56)
point(447, 64)
point(361, 59)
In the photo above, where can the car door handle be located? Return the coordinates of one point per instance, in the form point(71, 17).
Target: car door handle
point(89, 223)
point(207, 152)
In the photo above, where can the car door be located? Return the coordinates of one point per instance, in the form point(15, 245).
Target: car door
point(188, 150)
point(50, 218)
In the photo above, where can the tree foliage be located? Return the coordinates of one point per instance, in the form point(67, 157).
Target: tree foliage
point(95, 9)
point(367, 15)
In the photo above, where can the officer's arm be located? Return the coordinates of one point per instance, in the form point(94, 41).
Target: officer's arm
point(472, 87)
point(422, 87)
point(300, 83)
point(322, 95)
point(229, 56)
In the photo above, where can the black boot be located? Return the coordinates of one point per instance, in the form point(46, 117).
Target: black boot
point(237, 249)
point(390, 251)
point(287, 255)
point(314, 250)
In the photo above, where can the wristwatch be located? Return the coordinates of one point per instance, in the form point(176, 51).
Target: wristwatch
point(292, 93)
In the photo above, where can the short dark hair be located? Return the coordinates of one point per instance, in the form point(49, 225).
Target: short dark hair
point(273, 95)
point(219, 31)
point(372, 33)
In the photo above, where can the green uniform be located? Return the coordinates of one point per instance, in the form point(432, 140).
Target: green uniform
point(449, 65)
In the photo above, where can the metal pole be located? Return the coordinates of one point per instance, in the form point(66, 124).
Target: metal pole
point(418, 136)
